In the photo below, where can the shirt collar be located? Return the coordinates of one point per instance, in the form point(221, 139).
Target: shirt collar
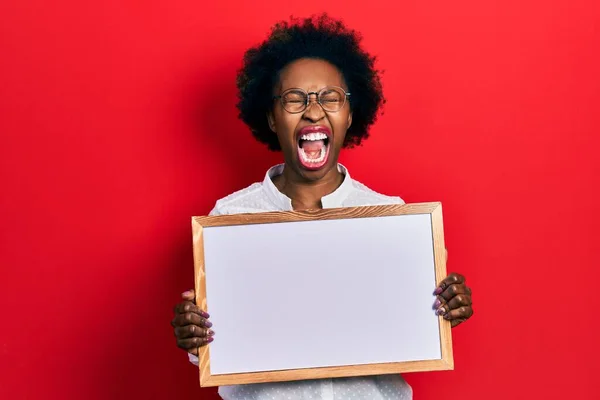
point(284, 203)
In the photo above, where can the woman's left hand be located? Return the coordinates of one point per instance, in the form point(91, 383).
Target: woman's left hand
point(453, 299)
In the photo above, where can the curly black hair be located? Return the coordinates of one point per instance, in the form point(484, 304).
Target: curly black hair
point(320, 37)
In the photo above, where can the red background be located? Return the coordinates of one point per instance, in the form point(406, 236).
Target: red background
point(117, 124)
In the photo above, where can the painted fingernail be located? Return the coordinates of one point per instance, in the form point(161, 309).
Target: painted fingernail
point(437, 303)
point(437, 290)
point(440, 311)
point(187, 293)
point(210, 339)
point(207, 324)
point(204, 314)
point(210, 332)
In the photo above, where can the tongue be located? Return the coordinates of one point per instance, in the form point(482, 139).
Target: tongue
point(312, 148)
point(312, 145)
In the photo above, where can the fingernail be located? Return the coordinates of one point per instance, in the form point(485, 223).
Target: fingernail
point(207, 324)
point(187, 293)
point(210, 332)
point(210, 339)
point(447, 316)
point(437, 303)
point(204, 314)
point(440, 311)
point(437, 290)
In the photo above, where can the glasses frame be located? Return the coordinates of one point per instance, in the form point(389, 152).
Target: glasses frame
point(308, 100)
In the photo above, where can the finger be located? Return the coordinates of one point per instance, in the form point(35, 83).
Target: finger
point(193, 343)
point(190, 319)
point(189, 295)
point(456, 322)
point(458, 301)
point(454, 290)
point(451, 279)
point(189, 331)
point(442, 306)
point(187, 306)
point(463, 312)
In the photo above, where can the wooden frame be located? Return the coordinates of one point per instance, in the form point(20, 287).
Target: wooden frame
point(439, 255)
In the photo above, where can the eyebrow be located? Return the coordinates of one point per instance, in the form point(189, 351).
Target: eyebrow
point(312, 91)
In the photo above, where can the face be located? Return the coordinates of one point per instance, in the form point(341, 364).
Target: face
point(312, 139)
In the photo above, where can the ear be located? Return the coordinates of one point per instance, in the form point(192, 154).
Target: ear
point(349, 120)
point(271, 120)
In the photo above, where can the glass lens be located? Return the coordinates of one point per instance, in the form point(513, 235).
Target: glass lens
point(294, 100)
point(332, 99)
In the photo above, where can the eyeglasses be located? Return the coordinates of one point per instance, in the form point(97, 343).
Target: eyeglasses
point(331, 98)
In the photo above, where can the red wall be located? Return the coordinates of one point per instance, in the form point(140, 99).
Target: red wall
point(117, 124)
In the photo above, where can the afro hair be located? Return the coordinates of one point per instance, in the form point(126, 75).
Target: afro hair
point(319, 37)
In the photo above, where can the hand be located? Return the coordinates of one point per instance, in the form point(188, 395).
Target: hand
point(191, 324)
point(453, 299)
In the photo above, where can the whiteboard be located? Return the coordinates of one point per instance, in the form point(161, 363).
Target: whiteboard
point(301, 295)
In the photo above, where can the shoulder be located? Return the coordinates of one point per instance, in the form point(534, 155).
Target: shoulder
point(248, 199)
point(362, 195)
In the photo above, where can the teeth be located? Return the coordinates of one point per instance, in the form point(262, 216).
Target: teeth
point(313, 160)
point(314, 136)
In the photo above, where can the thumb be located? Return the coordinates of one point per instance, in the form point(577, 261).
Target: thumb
point(189, 295)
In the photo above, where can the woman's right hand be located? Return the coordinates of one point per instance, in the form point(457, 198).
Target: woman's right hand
point(191, 325)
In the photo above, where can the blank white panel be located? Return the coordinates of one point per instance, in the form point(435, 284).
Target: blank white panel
point(309, 294)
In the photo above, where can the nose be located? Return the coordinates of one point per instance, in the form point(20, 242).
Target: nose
point(314, 112)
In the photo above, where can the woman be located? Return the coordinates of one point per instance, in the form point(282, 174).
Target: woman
point(309, 90)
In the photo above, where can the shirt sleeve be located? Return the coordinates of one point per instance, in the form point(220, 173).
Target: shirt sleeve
point(215, 211)
point(193, 359)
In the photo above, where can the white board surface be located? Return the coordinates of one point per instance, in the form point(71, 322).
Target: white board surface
point(309, 294)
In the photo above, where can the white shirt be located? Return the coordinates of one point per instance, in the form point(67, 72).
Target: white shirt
point(263, 197)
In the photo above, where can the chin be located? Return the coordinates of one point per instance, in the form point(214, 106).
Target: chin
point(315, 174)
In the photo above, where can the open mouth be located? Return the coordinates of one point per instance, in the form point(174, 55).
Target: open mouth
point(313, 147)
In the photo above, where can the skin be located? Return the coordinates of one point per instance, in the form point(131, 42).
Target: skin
point(191, 324)
point(305, 187)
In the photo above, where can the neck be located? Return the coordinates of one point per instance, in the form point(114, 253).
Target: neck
point(307, 194)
